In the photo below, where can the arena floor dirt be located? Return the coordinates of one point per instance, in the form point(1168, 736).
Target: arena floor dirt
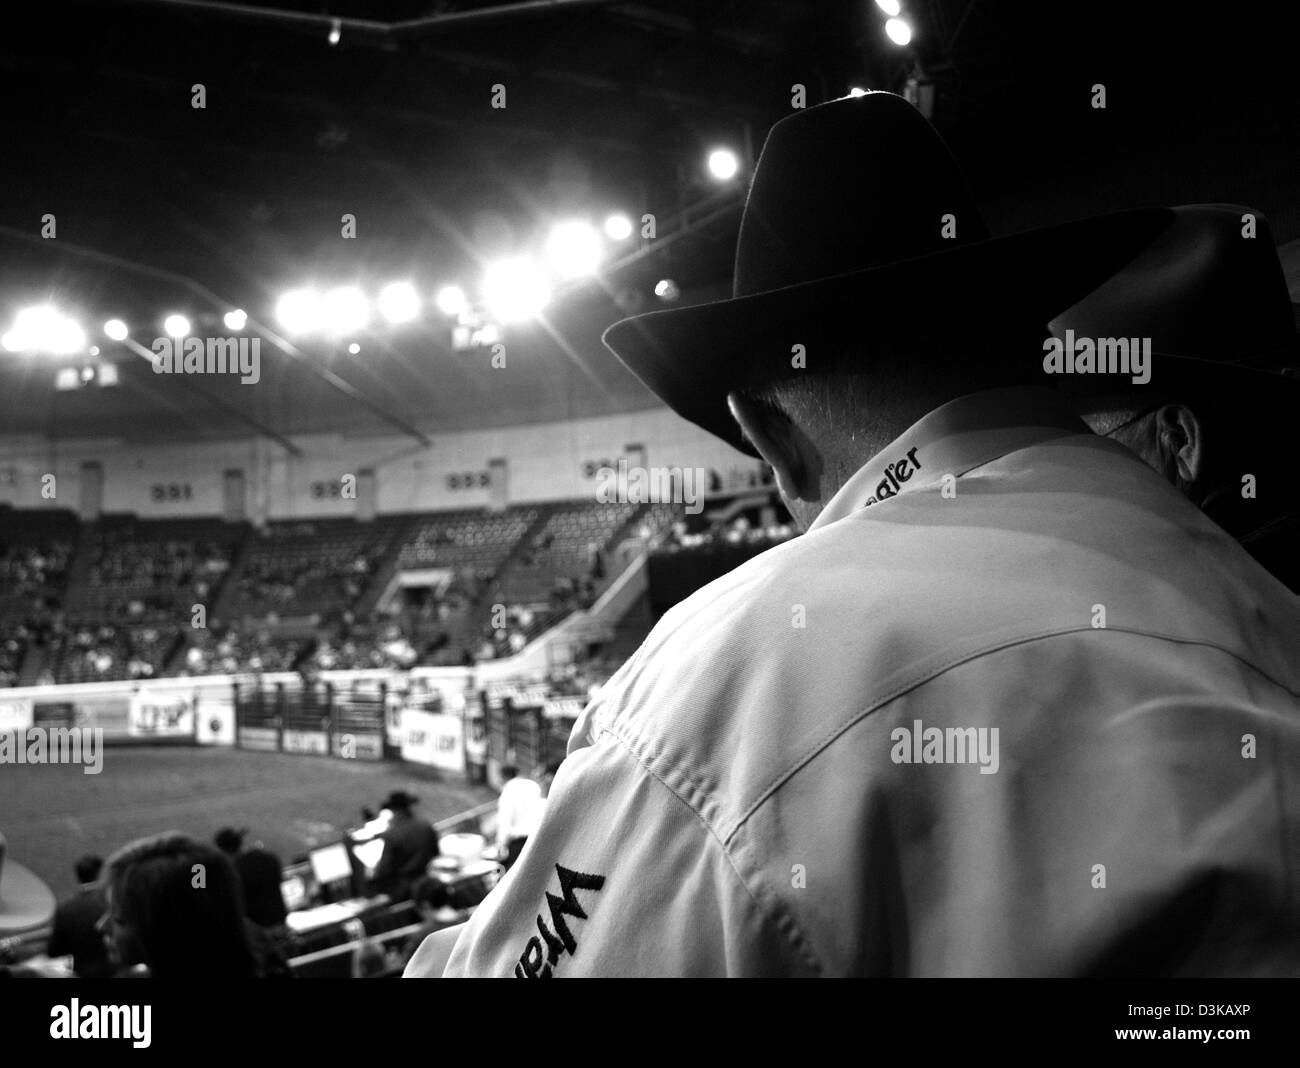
point(52, 814)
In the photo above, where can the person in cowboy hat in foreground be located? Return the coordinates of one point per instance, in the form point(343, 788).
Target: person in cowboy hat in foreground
point(1217, 419)
point(1011, 704)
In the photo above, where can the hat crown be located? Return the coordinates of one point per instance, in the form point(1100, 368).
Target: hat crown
point(855, 183)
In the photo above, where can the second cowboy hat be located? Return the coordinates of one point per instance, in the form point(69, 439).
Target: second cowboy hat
point(1211, 295)
point(859, 226)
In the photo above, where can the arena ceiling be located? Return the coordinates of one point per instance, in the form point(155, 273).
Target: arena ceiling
point(163, 207)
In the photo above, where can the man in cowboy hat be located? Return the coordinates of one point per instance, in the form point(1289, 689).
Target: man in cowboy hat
point(409, 844)
point(1010, 706)
point(1217, 419)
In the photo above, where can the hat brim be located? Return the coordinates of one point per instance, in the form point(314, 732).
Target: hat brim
point(693, 357)
point(26, 903)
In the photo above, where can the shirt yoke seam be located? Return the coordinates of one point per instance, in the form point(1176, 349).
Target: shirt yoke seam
point(840, 728)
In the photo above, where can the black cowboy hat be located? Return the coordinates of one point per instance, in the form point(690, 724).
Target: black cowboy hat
point(859, 226)
point(399, 800)
point(1211, 295)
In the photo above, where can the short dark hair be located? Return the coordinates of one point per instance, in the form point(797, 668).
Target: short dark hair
point(430, 892)
point(509, 771)
point(88, 867)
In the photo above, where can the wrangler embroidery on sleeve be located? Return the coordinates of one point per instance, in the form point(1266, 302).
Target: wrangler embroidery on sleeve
point(533, 962)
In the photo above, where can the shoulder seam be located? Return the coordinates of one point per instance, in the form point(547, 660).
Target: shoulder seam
point(841, 727)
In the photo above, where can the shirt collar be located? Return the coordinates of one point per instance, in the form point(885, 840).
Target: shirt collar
point(954, 439)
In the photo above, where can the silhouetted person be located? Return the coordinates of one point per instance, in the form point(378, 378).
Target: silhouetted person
point(174, 906)
point(260, 873)
point(409, 844)
point(76, 923)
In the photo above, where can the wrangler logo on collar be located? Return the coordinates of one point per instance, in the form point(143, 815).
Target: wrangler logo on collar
point(536, 964)
point(895, 475)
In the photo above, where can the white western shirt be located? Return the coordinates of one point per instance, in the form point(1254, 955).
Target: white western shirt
point(1012, 706)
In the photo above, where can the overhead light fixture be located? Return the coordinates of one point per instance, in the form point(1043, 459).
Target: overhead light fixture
point(451, 300)
point(336, 31)
point(236, 320)
point(346, 310)
point(723, 164)
point(618, 227)
point(115, 330)
point(299, 311)
point(515, 289)
point(899, 31)
point(892, 8)
point(177, 325)
point(399, 302)
point(573, 249)
point(45, 329)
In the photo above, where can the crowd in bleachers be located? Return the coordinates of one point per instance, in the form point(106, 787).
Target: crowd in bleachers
point(301, 594)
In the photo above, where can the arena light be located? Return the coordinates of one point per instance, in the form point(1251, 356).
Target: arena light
point(667, 290)
point(236, 320)
point(618, 227)
point(892, 8)
point(115, 330)
point(451, 300)
point(899, 31)
point(857, 91)
point(299, 311)
point(573, 249)
point(515, 289)
point(354, 348)
point(177, 325)
point(346, 311)
point(399, 302)
point(45, 329)
point(723, 164)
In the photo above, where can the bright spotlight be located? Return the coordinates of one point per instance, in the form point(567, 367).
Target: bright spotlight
point(723, 164)
point(336, 31)
point(618, 227)
point(346, 310)
point(899, 31)
point(515, 289)
point(115, 329)
point(236, 320)
point(857, 91)
point(398, 302)
point(299, 311)
point(573, 249)
point(45, 329)
point(451, 300)
point(94, 350)
point(668, 290)
point(354, 348)
point(892, 8)
point(177, 326)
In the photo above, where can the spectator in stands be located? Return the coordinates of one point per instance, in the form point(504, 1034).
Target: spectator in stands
point(173, 905)
point(433, 902)
point(260, 872)
point(76, 923)
point(519, 810)
point(410, 843)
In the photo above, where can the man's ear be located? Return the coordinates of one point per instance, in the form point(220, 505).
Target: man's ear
point(1180, 441)
point(794, 459)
